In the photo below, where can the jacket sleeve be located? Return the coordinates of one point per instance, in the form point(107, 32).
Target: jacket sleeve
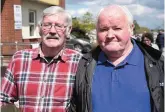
point(161, 66)
point(74, 102)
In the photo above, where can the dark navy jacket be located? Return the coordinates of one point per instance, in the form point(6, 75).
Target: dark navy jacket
point(160, 40)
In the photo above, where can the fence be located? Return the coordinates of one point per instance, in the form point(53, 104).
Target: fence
point(12, 47)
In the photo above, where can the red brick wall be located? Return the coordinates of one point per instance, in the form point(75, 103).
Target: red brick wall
point(62, 3)
point(8, 33)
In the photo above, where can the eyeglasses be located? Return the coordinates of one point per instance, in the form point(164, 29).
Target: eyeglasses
point(58, 27)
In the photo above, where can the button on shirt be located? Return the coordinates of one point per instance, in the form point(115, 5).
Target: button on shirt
point(121, 88)
point(39, 85)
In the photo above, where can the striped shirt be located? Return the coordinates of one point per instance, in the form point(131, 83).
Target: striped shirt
point(39, 85)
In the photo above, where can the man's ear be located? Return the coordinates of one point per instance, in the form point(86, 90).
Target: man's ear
point(39, 29)
point(131, 28)
point(68, 31)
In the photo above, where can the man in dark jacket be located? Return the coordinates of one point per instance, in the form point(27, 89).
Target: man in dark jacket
point(160, 40)
point(121, 74)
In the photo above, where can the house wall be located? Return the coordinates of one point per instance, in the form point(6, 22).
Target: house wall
point(26, 7)
point(8, 33)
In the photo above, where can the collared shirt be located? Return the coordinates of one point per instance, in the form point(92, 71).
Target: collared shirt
point(121, 88)
point(39, 85)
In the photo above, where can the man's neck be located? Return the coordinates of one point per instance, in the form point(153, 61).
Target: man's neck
point(50, 51)
point(119, 56)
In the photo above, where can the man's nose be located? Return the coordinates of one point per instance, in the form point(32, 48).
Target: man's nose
point(110, 33)
point(53, 30)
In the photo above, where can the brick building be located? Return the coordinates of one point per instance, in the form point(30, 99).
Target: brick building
point(19, 19)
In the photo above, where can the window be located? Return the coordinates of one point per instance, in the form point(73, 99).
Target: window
point(32, 22)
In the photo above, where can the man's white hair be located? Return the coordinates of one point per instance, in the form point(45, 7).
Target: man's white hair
point(55, 10)
point(127, 13)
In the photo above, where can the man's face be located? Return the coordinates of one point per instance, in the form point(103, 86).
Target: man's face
point(113, 31)
point(53, 30)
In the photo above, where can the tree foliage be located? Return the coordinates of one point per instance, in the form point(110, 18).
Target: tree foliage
point(136, 26)
point(83, 25)
point(139, 29)
point(143, 29)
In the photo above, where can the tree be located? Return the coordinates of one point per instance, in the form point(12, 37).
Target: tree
point(143, 30)
point(87, 18)
point(139, 29)
point(87, 22)
point(136, 27)
point(75, 22)
point(83, 25)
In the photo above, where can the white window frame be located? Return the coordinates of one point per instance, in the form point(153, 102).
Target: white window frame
point(33, 23)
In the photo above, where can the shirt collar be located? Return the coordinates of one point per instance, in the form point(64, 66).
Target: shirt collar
point(37, 53)
point(130, 58)
point(102, 58)
point(133, 57)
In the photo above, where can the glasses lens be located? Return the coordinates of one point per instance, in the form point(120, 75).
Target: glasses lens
point(58, 27)
point(47, 25)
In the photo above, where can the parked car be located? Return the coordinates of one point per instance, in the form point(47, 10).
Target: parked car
point(80, 44)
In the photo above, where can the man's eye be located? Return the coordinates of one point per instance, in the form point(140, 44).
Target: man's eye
point(46, 24)
point(103, 29)
point(117, 28)
point(60, 26)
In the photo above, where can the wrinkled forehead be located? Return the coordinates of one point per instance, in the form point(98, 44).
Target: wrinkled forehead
point(111, 20)
point(112, 14)
point(58, 17)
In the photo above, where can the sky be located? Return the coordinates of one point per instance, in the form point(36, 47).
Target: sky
point(147, 13)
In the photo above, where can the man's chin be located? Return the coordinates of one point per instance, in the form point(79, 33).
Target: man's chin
point(111, 49)
point(53, 46)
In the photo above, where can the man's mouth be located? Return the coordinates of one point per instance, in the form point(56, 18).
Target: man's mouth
point(53, 38)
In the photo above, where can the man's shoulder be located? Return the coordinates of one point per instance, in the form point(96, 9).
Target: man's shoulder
point(92, 55)
point(72, 52)
point(149, 51)
point(24, 52)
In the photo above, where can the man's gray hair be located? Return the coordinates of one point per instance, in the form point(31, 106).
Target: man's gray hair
point(55, 10)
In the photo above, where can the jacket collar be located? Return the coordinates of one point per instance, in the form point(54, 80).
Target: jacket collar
point(150, 52)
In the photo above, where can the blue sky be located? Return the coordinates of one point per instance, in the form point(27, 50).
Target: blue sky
point(149, 13)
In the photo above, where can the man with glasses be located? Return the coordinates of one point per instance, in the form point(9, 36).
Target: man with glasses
point(42, 78)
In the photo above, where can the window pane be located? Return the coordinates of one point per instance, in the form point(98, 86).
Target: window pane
point(31, 17)
point(31, 30)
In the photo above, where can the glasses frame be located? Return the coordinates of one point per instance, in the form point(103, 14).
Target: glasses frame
point(57, 26)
